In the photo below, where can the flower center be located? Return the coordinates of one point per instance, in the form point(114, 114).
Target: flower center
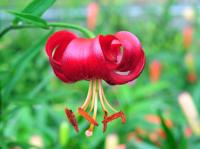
point(90, 104)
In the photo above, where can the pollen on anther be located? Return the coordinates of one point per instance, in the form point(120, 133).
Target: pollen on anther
point(88, 133)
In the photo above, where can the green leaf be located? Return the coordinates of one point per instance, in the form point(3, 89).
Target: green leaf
point(40, 85)
point(36, 8)
point(21, 145)
point(22, 64)
point(30, 19)
point(64, 133)
point(140, 145)
point(183, 141)
point(170, 139)
point(149, 89)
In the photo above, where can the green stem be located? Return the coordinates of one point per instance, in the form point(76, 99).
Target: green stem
point(11, 27)
point(72, 26)
point(65, 25)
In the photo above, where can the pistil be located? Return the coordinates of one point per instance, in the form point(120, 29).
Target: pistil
point(89, 132)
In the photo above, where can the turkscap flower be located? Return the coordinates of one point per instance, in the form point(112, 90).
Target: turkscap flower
point(116, 59)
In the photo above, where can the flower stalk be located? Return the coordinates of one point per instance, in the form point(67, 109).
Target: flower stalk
point(86, 32)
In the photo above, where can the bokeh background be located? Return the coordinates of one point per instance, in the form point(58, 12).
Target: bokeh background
point(162, 106)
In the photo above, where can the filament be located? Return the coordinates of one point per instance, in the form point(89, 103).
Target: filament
point(95, 106)
point(109, 105)
point(89, 95)
point(93, 95)
point(101, 97)
point(89, 132)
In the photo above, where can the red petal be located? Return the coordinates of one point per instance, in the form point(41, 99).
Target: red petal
point(110, 47)
point(84, 60)
point(55, 46)
point(131, 50)
point(132, 61)
point(116, 78)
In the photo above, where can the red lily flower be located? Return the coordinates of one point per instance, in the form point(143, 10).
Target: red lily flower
point(117, 59)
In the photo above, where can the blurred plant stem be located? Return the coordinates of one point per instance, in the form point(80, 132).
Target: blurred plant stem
point(72, 26)
point(12, 27)
point(50, 25)
point(189, 109)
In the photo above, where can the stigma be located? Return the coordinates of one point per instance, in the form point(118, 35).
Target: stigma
point(88, 110)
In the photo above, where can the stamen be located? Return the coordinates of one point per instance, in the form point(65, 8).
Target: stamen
point(95, 106)
point(92, 104)
point(87, 116)
point(89, 95)
point(115, 116)
point(101, 97)
point(72, 119)
point(104, 97)
point(105, 123)
point(111, 107)
point(95, 90)
point(93, 95)
point(112, 117)
point(89, 132)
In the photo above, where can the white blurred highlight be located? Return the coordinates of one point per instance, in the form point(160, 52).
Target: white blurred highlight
point(188, 13)
point(88, 133)
point(190, 111)
point(112, 141)
point(37, 141)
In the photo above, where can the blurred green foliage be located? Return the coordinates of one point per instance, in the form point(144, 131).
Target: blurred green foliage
point(33, 99)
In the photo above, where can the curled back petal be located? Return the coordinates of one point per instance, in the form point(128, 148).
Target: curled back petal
point(131, 50)
point(132, 58)
point(55, 47)
point(111, 50)
point(134, 72)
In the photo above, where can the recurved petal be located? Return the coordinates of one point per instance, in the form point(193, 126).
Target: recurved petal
point(55, 46)
point(131, 50)
point(110, 47)
point(132, 58)
point(136, 69)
